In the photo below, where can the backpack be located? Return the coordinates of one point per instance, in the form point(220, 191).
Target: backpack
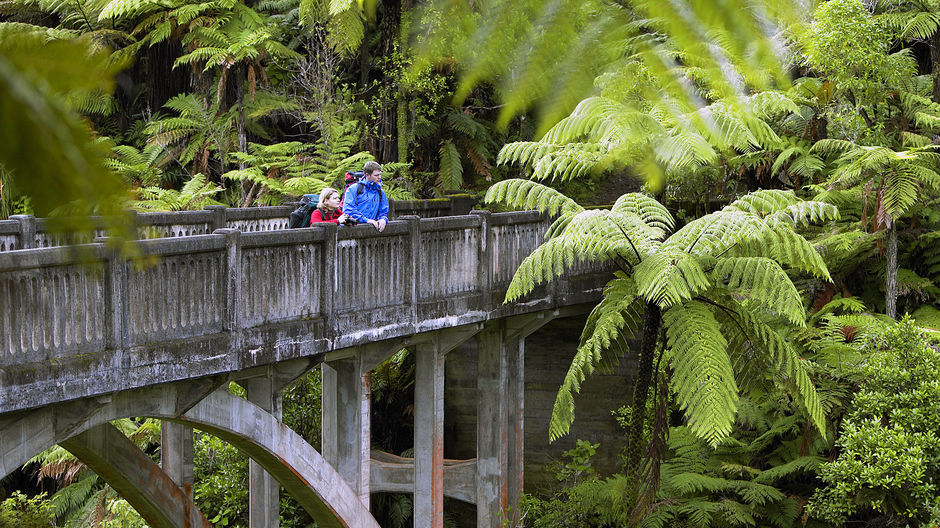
point(301, 216)
point(351, 178)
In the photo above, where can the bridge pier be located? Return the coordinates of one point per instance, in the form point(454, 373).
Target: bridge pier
point(263, 500)
point(176, 455)
point(429, 436)
point(346, 406)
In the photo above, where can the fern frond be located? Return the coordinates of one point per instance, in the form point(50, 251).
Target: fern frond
point(804, 464)
point(527, 194)
point(703, 380)
point(669, 277)
point(804, 213)
point(651, 211)
point(451, 168)
point(763, 281)
point(617, 317)
point(763, 202)
point(789, 365)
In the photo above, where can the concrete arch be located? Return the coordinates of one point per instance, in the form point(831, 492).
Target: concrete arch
point(131, 473)
point(296, 465)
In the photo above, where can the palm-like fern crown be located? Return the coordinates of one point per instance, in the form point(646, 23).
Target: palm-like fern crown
point(720, 281)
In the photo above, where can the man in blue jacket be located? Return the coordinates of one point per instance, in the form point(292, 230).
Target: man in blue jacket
point(365, 201)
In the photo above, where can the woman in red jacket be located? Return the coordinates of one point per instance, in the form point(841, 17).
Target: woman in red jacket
point(328, 208)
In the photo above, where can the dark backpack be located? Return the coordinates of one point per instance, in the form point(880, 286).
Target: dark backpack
point(301, 216)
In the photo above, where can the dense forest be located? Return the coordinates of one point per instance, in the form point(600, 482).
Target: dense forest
point(761, 176)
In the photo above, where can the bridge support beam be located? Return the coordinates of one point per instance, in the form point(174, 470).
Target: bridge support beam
point(500, 413)
point(263, 500)
point(176, 455)
point(429, 422)
point(346, 422)
point(429, 436)
point(346, 400)
point(150, 490)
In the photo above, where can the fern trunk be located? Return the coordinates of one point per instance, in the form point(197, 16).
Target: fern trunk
point(891, 273)
point(240, 125)
point(644, 380)
point(935, 64)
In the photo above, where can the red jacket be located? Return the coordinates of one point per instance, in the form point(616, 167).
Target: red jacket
point(320, 216)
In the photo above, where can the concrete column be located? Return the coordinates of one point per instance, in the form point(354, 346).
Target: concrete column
point(27, 235)
point(515, 413)
point(492, 415)
point(429, 436)
point(176, 455)
point(262, 488)
point(346, 435)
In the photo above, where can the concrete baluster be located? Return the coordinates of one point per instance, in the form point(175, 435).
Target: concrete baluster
point(233, 277)
point(329, 282)
point(27, 235)
point(218, 216)
point(262, 488)
point(412, 266)
point(429, 436)
point(485, 261)
point(116, 297)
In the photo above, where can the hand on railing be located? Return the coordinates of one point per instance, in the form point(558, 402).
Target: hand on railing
point(378, 224)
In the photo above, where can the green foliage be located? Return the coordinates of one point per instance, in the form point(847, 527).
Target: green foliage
point(756, 478)
point(200, 130)
point(720, 275)
point(48, 140)
point(889, 451)
point(197, 193)
point(221, 481)
point(846, 29)
point(583, 499)
point(20, 511)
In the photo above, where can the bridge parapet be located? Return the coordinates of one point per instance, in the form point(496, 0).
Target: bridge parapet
point(27, 232)
point(75, 324)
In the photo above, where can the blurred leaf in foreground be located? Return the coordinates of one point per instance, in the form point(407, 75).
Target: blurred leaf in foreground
point(45, 146)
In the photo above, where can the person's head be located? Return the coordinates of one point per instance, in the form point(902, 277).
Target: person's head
point(372, 172)
point(329, 199)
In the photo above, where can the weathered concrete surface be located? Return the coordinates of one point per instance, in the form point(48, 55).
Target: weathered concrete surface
point(263, 502)
point(227, 302)
point(429, 437)
point(131, 473)
point(548, 352)
point(281, 452)
point(394, 474)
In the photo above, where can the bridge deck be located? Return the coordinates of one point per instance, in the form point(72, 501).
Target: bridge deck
point(75, 324)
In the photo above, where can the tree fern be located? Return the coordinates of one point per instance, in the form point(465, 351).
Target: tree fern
point(763, 281)
point(704, 279)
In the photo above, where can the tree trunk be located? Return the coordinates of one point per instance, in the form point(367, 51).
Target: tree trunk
point(935, 64)
point(641, 389)
point(891, 274)
point(240, 125)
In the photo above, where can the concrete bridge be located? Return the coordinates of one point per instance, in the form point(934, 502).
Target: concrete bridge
point(87, 337)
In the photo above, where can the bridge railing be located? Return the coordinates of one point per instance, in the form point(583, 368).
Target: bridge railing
point(60, 303)
point(27, 232)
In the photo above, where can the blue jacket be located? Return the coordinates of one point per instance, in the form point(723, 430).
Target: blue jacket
point(370, 204)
